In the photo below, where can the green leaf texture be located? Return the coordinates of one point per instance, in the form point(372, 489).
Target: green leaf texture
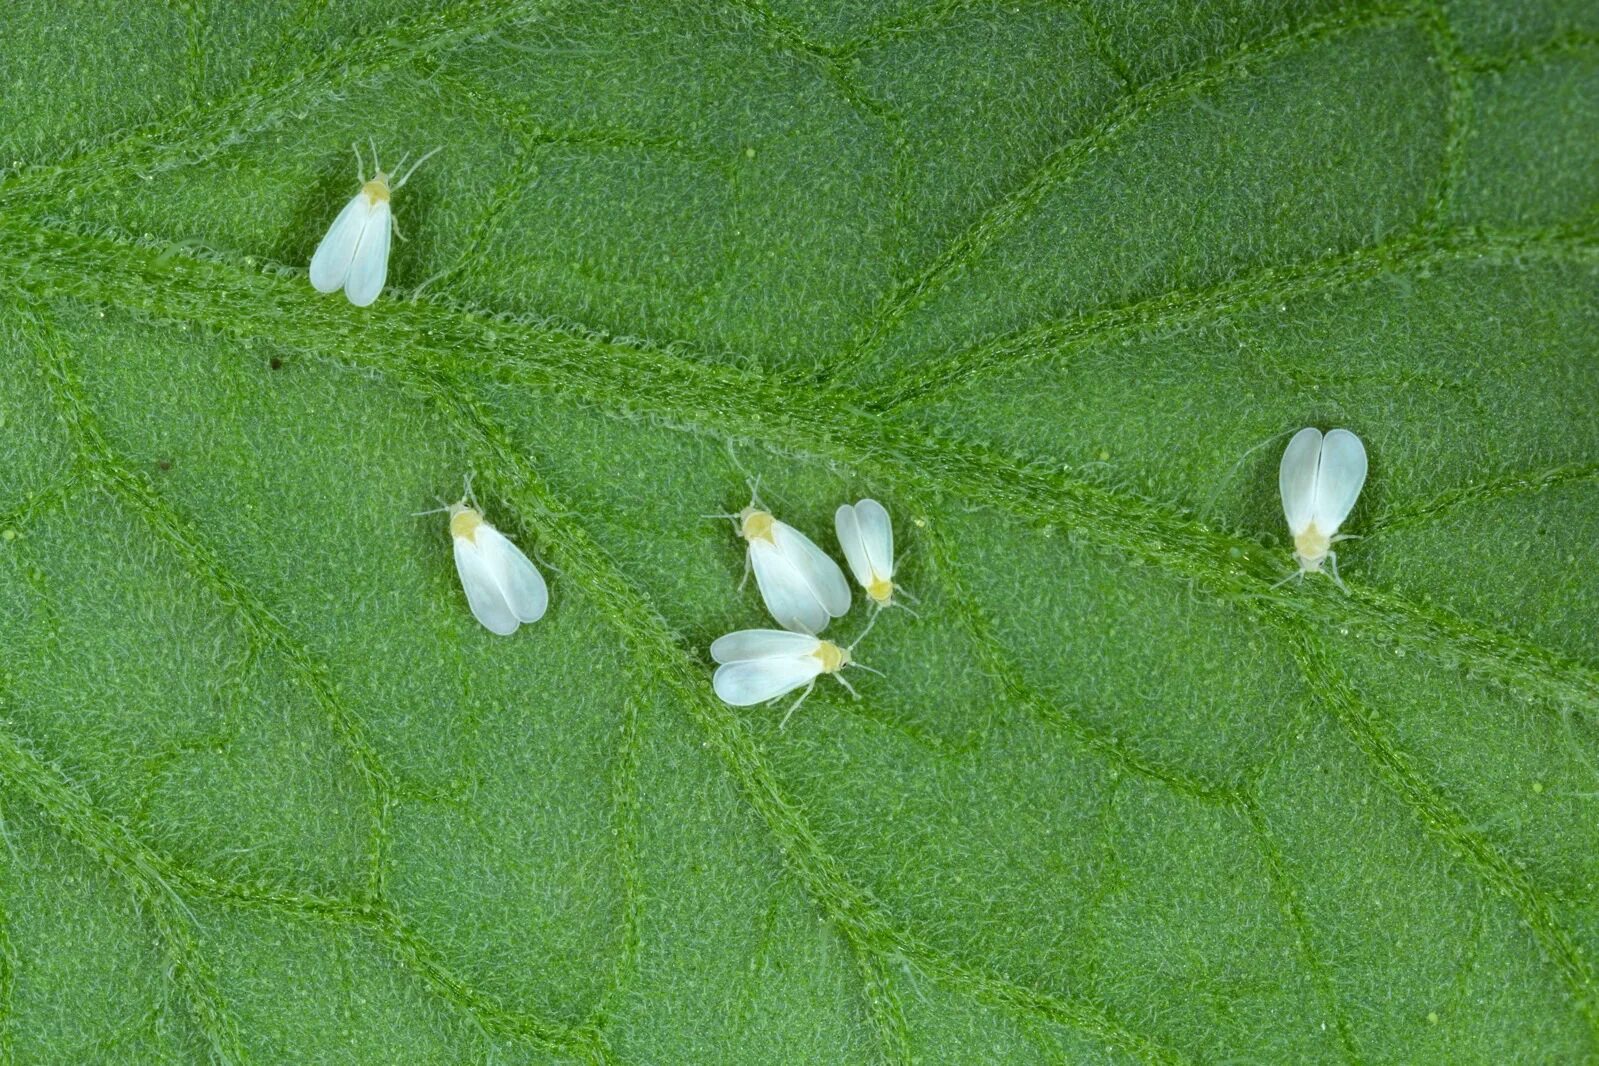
point(1051, 279)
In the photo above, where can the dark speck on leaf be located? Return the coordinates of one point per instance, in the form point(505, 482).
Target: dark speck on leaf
point(164, 464)
point(275, 363)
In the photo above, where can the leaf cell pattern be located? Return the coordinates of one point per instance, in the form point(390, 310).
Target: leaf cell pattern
point(1051, 279)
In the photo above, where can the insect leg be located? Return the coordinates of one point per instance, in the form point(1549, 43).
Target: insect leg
point(795, 705)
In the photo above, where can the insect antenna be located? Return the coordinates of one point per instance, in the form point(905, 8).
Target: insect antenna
point(416, 293)
point(754, 484)
point(1222, 484)
point(419, 162)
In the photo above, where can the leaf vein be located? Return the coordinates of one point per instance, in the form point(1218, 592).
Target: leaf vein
point(152, 886)
point(1371, 735)
point(1502, 487)
point(62, 801)
point(632, 378)
point(1064, 162)
point(1287, 893)
point(1459, 113)
point(114, 473)
point(201, 132)
point(858, 916)
point(1270, 285)
point(1003, 671)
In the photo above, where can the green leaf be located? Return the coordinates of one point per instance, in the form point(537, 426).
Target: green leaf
point(1053, 281)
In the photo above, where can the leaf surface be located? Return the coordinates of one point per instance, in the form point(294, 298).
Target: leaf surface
point(1054, 282)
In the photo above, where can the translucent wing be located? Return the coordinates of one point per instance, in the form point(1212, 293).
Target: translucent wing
point(1339, 479)
point(820, 572)
point(1296, 478)
point(750, 644)
point(745, 683)
point(483, 592)
point(330, 264)
point(369, 269)
point(787, 594)
point(848, 526)
point(877, 532)
point(520, 581)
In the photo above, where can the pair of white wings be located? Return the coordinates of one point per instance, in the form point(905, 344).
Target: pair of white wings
point(867, 537)
point(354, 256)
point(1320, 478)
point(763, 664)
point(503, 587)
point(803, 588)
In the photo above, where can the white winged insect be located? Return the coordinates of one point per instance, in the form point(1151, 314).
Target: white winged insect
point(354, 255)
point(1320, 479)
point(761, 665)
point(802, 586)
point(503, 587)
point(867, 536)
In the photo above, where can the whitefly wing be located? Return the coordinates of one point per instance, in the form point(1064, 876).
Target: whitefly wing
point(785, 590)
point(1296, 478)
point(877, 533)
point(758, 680)
point(369, 268)
point(1339, 479)
point(750, 644)
point(483, 592)
point(519, 580)
point(848, 527)
point(330, 263)
point(820, 572)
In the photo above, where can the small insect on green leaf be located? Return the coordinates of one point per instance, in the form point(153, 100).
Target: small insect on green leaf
point(802, 586)
point(761, 665)
point(503, 587)
point(354, 255)
point(866, 534)
point(1320, 479)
